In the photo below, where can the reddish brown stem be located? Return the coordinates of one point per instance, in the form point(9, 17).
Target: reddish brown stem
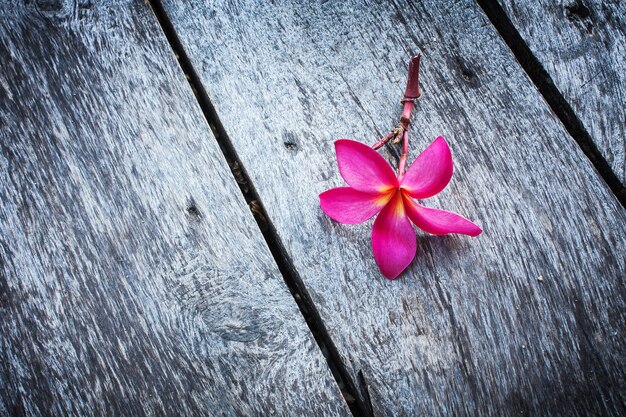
point(382, 142)
point(406, 115)
point(412, 90)
point(404, 156)
point(407, 110)
point(401, 132)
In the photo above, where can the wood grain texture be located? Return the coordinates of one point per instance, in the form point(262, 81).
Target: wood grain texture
point(527, 319)
point(582, 46)
point(133, 278)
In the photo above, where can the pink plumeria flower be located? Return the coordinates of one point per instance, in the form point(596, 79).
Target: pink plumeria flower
point(375, 189)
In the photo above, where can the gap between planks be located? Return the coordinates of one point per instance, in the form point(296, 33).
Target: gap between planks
point(285, 265)
point(551, 94)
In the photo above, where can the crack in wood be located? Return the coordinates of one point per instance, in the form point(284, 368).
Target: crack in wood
point(366, 391)
point(361, 407)
point(553, 96)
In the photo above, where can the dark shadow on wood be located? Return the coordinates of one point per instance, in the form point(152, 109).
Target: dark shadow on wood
point(357, 400)
point(557, 102)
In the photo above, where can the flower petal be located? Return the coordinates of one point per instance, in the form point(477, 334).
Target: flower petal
point(393, 238)
point(431, 171)
point(363, 168)
point(347, 205)
point(439, 222)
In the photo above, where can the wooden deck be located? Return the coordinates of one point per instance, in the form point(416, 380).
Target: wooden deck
point(162, 249)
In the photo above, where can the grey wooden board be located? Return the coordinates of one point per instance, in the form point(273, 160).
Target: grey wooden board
point(470, 329)
point(582, 46)
point(116, 296)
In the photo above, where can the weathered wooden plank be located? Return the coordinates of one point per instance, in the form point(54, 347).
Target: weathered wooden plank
point(133, 278)
point(582, 46)
point(526, 319)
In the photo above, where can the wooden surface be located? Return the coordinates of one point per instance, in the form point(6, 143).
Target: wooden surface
point(582, 46)
point(528, 318)
point(133, 278)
